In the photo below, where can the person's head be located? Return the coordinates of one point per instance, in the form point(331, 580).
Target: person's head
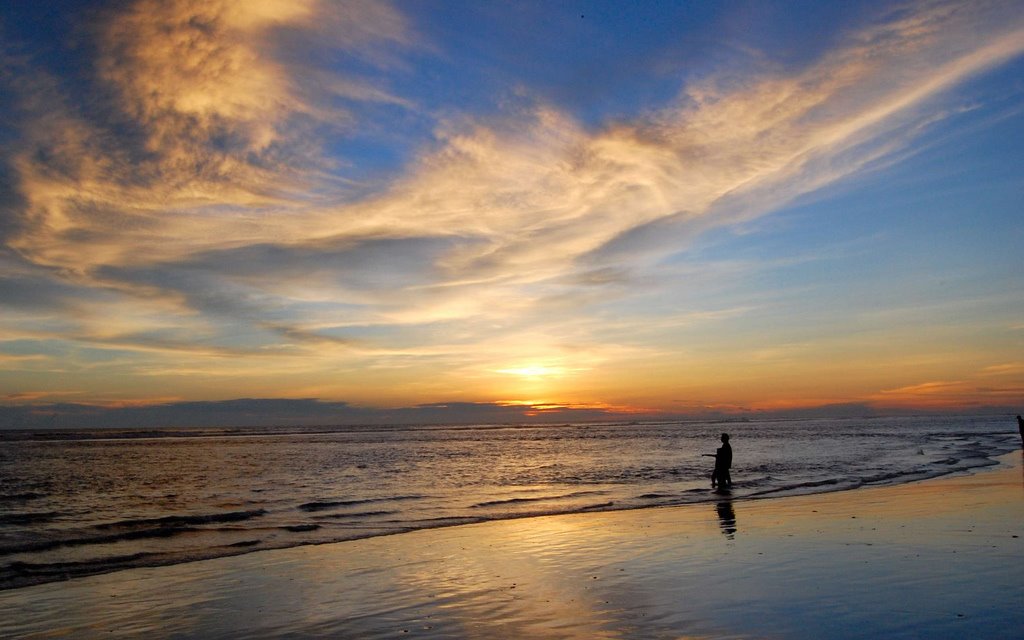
point(725, 438)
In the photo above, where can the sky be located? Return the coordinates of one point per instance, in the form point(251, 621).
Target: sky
point(317, 211)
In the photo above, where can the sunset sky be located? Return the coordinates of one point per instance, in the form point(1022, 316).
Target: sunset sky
point(654, 208)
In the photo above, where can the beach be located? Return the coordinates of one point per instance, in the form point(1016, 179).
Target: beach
point(450, 319)
point(941, 558)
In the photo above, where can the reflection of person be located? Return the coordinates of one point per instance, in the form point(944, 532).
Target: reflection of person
point(1020, 427)
point(721, 477)
point(726, 518)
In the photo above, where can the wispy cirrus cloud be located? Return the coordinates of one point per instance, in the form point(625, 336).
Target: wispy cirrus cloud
point(993, 384)
point(204, 203)
point(1006, 369)
point(201, 135)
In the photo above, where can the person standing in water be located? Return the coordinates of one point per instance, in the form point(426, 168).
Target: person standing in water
point(1020, 427)
point(721, 477)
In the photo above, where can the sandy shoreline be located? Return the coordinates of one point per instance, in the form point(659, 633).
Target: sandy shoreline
point(939, 558)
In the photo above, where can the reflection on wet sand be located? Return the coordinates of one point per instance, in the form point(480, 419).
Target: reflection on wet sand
point(726, 518)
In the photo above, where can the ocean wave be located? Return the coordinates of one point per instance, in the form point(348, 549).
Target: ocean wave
point(834, 483)
point(47, 545)
point(354, 514)
point(22, 574)
point(323, 505)
point(507, 501)
point(602, 506)
point(21, 497)
point(427, 523)
point(27, 518)
point(75, 567)
point(207, 518)
point(135, 529)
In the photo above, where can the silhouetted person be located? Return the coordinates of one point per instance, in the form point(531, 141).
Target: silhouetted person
point(720, 477)
point(1020, 427)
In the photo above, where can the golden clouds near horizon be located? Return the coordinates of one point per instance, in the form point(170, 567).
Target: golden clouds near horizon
point(534, 371)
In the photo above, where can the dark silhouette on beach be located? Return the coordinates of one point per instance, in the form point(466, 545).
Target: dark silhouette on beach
point(720, 477)
point(1020, 427)
point(726, 518)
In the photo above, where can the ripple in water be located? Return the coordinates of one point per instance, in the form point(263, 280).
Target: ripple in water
point(76, 503)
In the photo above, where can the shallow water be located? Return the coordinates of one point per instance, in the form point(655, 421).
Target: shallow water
point(940, 559)
point(76, 503)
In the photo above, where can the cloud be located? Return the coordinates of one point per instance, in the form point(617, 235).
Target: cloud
point(190, 132)
point(196, 75)
point(202, 205)
point(246, 412)
point(190, 72)
point(1007, 369)
point(926, 388)
point(976, 390)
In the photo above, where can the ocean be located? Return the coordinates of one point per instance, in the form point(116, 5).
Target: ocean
point(75, 503)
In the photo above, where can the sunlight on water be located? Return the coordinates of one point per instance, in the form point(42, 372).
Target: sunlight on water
point(79, 503)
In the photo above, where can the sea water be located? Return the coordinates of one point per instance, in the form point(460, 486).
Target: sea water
point(74, 503)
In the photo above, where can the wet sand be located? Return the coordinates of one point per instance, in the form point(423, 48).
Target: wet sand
point(942, 558)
